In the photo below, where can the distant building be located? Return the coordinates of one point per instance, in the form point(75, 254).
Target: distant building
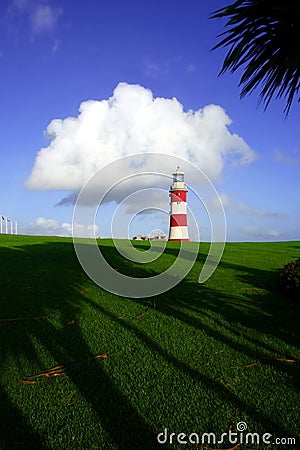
point(158, 238)
point(139, 237)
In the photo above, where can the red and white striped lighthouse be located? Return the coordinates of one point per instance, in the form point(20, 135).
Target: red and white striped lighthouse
point(178, 213)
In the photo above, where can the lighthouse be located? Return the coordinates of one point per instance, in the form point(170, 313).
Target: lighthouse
point(178, 213)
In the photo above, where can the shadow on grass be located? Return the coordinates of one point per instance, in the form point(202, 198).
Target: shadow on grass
point(236, 323)
point(211, 384)
point(46, 280)
point(259, 305)
point(15, 431)
point(255, 306)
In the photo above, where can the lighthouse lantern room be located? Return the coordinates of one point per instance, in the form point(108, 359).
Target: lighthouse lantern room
point(178, 212)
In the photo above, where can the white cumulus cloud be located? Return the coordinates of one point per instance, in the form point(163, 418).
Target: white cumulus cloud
point(134, 121)
point(51, 227)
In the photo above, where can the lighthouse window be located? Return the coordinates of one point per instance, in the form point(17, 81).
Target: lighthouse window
point(178, 177)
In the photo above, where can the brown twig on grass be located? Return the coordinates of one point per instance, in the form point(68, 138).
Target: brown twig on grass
point(57, 370)
point(281, 359)
point(142, 313)
point(268, 358)
point(24, 318)
point(246, 365)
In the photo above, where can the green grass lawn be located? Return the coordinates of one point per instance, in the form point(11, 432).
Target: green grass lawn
point(205, 358)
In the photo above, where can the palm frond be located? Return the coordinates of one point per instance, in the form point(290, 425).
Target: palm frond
point(263, 37)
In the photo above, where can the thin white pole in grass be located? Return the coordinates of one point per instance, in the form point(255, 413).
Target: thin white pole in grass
point(11, 226)
point(6, 225)
point(1, 218)
point(16, 227)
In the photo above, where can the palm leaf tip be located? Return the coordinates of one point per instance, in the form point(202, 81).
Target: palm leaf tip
point(264, 41)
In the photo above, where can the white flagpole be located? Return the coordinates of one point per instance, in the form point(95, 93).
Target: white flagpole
point(6, 225)
point(16, 227)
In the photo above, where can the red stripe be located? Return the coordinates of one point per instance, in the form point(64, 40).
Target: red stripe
point(178, 220)
point(178, 196)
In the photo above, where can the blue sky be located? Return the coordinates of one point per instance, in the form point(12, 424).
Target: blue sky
point(55, 55)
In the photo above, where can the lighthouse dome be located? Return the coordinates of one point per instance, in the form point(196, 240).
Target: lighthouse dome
point(178, 175)
point(178, 180)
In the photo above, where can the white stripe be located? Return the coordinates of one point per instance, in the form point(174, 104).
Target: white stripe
point(179, 233)
point(178, 208)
